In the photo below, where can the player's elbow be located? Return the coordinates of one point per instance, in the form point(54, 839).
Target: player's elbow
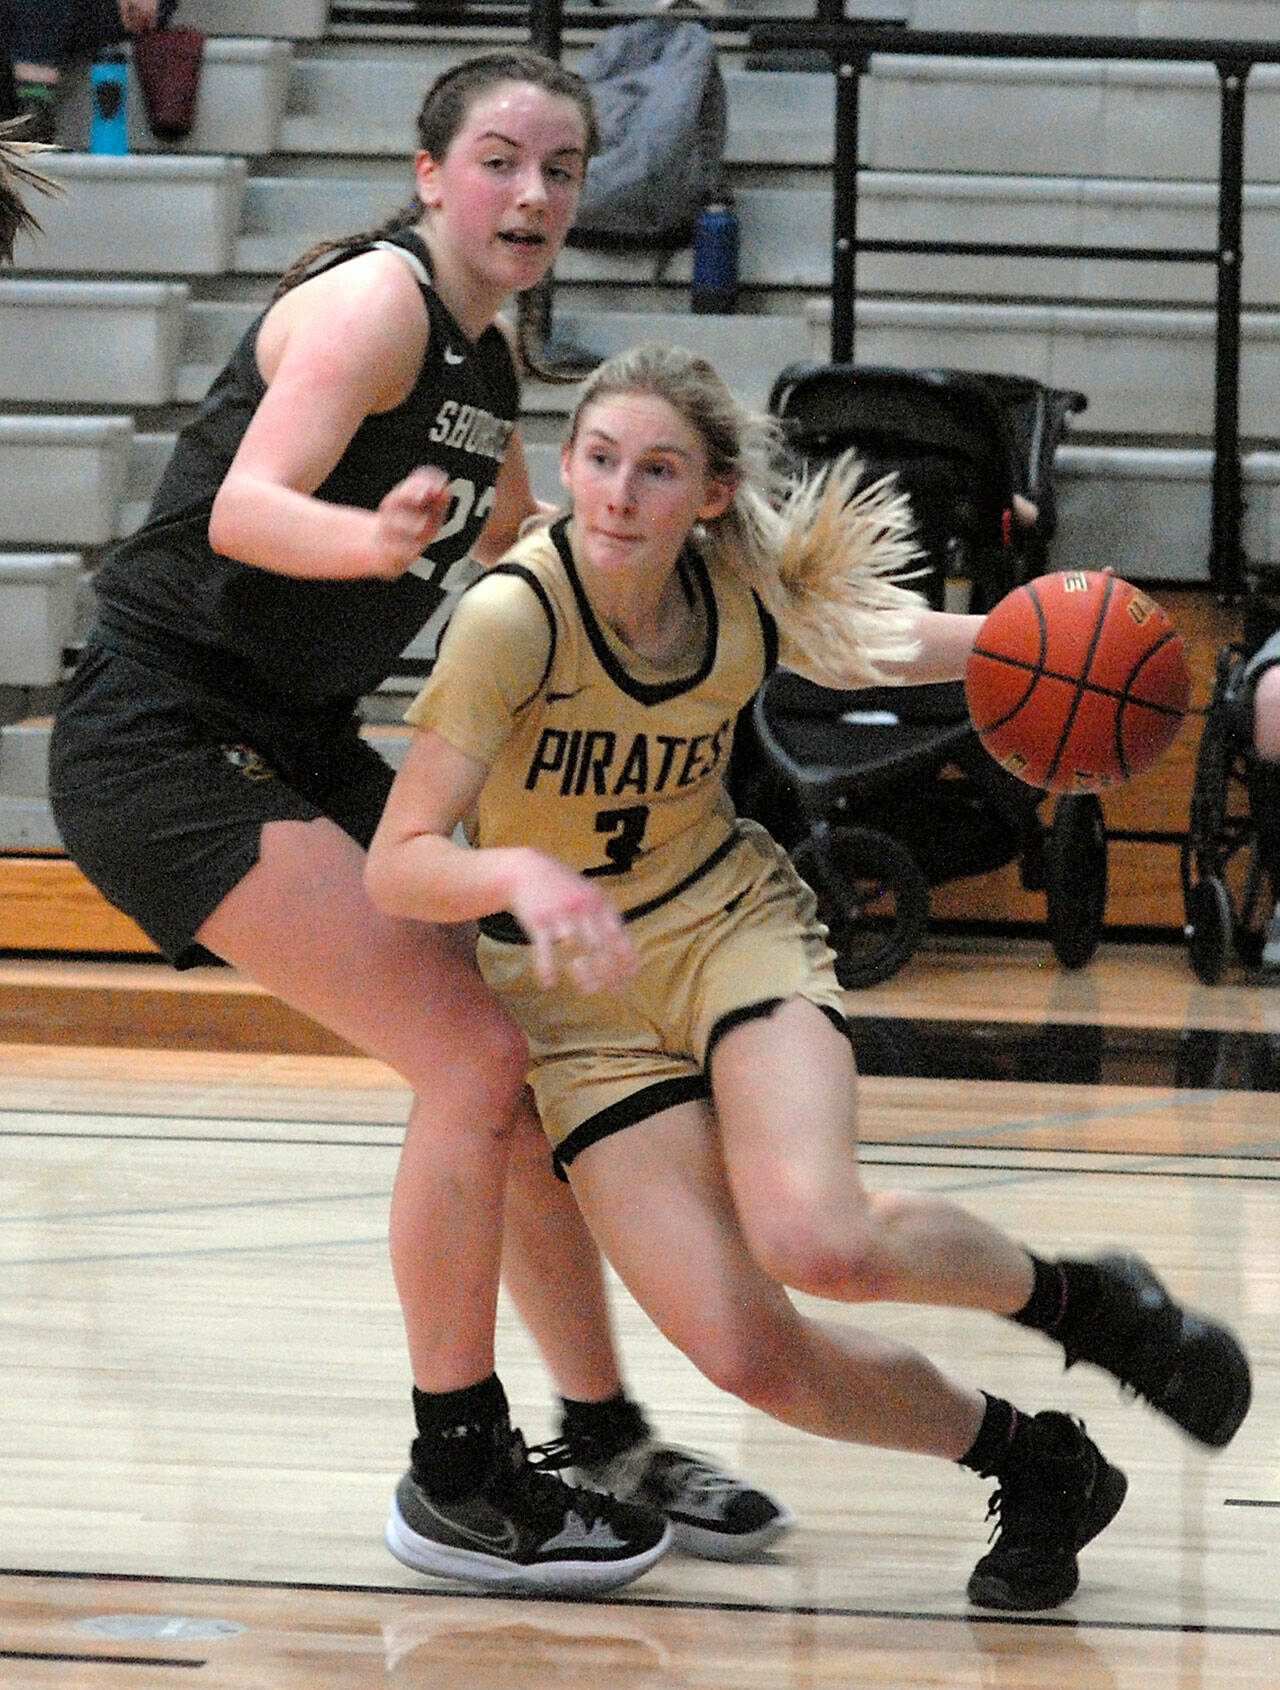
point(225, 524)
point(387, 886)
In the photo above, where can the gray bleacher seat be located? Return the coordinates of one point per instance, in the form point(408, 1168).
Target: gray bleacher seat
point(295, 20)
point(1146, 372)
point(1145, 512)
point(143, 214)
point(38, 603)
point(62, 478)
point(1244, 19)
point(26, 821)
point(95, 342)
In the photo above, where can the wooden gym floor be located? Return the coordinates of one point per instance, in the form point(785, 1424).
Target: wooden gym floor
point(203, 1391)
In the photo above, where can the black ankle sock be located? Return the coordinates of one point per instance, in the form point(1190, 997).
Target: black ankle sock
point(1064, 1294)
point(459, 1433)
point(995, 1437)
point(597, 1431)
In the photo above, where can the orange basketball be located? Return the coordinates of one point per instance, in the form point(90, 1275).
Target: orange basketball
point(1077, 681)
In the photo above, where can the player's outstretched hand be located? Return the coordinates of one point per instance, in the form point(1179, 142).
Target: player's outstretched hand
point(409, 517)
point(574, 930)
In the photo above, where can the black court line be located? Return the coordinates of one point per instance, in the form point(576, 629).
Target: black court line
point(1177, 1164)
point(805, 1610)
point(99, 1660)
point(188, 1138)
point(1249, 1502)
point(374, 1123)
point(1035, 1170)
point(231, 1205)
point(1147, 1165)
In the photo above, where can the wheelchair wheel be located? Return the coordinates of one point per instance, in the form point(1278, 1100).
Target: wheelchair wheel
point(1208, 929)
point(1203, 850)
point(872, 895)
point(1075, 878)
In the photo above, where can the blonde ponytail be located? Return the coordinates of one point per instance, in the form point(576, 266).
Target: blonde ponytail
point(840, 555)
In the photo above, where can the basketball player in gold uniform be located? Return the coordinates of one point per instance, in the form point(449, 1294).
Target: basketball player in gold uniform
point(688, 1047)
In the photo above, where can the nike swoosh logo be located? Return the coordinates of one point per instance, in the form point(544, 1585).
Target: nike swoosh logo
point(504, 1542)
point(452, 357)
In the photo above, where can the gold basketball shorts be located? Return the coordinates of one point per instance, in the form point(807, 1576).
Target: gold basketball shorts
point(739, 939)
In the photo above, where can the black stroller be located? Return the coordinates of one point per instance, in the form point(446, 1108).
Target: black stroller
point(1231, 867)
point(881, 794)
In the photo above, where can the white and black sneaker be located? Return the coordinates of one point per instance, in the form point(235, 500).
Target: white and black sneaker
point(713, 1515)
point(526, 1530)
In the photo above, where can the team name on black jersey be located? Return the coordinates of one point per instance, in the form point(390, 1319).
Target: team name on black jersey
point(468, 428)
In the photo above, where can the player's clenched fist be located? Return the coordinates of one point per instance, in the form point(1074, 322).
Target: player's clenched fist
point(574, 930)
point(408, 519)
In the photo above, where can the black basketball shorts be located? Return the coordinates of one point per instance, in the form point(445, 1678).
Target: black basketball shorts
point(160, 791)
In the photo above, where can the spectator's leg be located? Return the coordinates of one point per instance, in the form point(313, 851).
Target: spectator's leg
point(1260, 698)
point(40, 30)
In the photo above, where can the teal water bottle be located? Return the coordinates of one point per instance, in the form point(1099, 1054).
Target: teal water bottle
point(109, 84)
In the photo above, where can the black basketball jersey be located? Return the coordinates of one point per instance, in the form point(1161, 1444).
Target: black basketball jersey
point(166, 597)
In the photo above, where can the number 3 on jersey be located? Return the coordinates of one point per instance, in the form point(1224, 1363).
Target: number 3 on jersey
point(627, 827)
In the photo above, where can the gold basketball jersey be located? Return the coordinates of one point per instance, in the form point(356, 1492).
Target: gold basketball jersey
point(595, 756)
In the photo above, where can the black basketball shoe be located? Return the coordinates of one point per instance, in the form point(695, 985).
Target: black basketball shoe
point(1056, 1492)
point(1188, 1367)
point(524, 1529)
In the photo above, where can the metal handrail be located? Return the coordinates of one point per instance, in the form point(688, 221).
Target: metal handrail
point(546, 20)
point(851, 46)
point(851, 43)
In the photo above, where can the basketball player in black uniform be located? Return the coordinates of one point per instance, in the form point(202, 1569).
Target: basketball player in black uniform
point(208, 776)
point(689, 1051)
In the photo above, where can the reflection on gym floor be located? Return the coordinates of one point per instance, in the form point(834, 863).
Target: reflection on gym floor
point(1070, 1054)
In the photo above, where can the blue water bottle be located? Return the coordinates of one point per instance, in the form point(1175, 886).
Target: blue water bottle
point(715, 260)
point(108, 81)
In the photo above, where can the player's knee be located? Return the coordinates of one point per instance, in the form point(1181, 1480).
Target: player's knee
point(817, 1241)
point(485, 1081)
point(823, 1256)
point(502, 1061)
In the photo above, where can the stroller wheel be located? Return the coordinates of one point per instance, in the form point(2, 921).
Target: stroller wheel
point(1208, 929)
point(1075, 878)
point(872, 895)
